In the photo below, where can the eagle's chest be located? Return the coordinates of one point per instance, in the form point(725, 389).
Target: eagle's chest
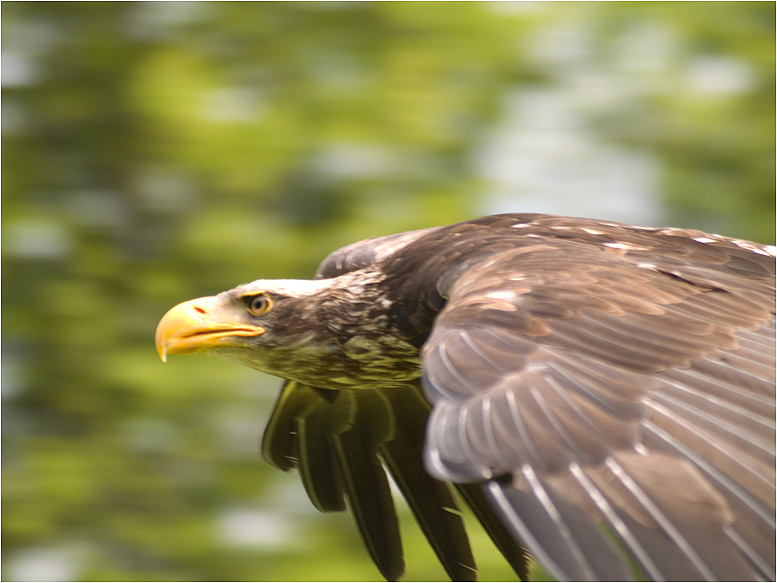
point(360, 347)
point(380, 360)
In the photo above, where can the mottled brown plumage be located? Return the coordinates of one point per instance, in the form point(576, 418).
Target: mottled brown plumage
point(586, 380)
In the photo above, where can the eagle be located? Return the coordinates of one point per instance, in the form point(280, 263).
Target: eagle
point(602, 396)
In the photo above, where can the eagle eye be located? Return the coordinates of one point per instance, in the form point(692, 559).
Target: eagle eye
point(259, 305)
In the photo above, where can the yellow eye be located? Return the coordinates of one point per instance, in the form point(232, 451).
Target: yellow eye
point(259, 305)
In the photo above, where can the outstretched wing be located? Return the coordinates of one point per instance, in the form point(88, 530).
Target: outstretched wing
point(338, 440)
point(607, 387)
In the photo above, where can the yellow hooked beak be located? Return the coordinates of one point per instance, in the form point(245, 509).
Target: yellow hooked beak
point(198, 325)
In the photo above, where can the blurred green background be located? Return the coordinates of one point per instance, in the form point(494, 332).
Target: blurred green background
point(156, 152)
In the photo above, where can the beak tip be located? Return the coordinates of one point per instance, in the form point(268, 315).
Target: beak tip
point(161, 344)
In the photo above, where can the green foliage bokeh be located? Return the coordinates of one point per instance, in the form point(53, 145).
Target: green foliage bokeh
point(155, 152)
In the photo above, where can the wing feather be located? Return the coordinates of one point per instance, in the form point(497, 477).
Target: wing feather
point(617, 522)
point(371, 502)
point(337, 461)
point(559, 534)
point(631, 391)
point(339, 440)
point(431, 501)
